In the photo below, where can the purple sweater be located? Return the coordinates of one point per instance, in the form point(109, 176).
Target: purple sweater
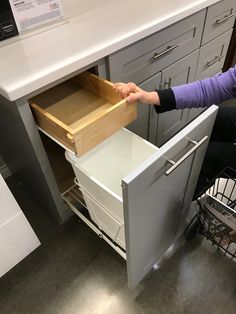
point(202, 93)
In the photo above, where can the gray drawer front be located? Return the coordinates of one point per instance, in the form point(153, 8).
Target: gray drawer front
point(157, 196)
point(220, 18)
point(150, 55)
point(212, 56)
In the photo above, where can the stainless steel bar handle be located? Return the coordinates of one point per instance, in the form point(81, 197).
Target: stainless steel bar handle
point(210, 63)
point(169, 48)
point(182, 159)
point(224, 19)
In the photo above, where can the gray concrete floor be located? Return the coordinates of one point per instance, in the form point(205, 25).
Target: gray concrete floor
point(74, 271)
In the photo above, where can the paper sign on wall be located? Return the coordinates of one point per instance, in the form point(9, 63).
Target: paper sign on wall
point(31, 13)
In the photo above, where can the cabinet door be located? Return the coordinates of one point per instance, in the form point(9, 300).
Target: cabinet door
point(181, 72)
point(140, 126)
point(158, 192)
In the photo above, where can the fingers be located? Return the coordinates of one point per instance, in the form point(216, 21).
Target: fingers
point(134, 97)
point(124, 90)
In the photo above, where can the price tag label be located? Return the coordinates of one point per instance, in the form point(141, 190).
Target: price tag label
point(31, 13)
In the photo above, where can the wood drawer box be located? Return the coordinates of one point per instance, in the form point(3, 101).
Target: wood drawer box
point(145, 58)
point(81, 112)
point(212, 56)
point(220, 18)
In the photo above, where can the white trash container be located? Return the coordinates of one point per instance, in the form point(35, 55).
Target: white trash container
point(100, 171)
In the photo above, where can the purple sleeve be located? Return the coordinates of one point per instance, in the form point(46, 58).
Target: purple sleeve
point(204, 93)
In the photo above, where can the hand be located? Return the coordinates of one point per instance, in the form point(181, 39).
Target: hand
point(132, 93)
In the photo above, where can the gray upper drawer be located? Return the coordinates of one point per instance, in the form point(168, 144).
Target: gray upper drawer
point(220, 17)
point(153, 53)
point(212, 56)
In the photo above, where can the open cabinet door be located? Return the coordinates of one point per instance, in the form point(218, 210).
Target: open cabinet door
point(157, 193)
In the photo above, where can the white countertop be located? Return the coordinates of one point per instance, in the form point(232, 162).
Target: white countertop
point(92, 30)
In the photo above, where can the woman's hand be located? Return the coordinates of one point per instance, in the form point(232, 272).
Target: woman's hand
point(132, 93)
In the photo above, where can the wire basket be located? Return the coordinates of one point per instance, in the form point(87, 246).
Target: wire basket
point(216, 217)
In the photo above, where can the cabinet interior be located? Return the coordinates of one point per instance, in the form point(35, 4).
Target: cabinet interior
point(65, 176)
point(62, 169)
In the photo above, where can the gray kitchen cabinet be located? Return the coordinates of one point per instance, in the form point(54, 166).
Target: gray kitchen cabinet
point(122, 180)
point(206, 33)
point(217, 32)
point(167, 54)
point(220, 19)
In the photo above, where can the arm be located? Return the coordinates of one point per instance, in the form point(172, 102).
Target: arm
point(202, 93)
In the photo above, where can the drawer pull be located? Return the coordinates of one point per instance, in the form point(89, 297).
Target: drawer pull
point(210, 63)
point(168, 84)
point(182, 159)
point(168, 49)
point(225, 18)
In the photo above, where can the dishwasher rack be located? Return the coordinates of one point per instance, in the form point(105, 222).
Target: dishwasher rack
point(216, 216)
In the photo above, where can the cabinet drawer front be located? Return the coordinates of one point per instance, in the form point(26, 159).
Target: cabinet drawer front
point(158, 194)
point(82, 112)
point(146, 57)
point(212, 56)
point(220, 18)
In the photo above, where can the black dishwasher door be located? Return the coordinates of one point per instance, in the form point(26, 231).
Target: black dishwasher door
point(7, 22)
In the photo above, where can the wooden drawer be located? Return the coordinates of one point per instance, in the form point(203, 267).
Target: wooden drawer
point(81, 112)
point(145, 58)
point(212, 56)
point(220, 18)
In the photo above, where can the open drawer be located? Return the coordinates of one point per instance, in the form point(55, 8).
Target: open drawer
point(146, 189)
point(81, 112)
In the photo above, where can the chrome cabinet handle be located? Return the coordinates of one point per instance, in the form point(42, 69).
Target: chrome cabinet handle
point(224, 19)
point(210, 63)
point(169, 48)
point(182, 159)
